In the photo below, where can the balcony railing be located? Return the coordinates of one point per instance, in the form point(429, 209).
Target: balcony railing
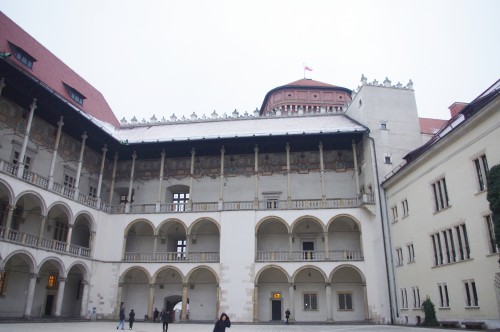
point(294, 204)
point(184, 257)
point(37, 242)
point(306, 255)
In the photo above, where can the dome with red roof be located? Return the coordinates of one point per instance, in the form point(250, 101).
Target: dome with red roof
point(306, 96)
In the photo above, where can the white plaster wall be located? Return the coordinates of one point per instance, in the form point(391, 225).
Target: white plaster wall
point(201, 302)
point(265, 297)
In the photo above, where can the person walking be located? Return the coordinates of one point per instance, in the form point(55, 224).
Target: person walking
point(155, 315)
point(222, 323)
point(165, 319)
point(287, 315)
point(121, 322)
point(131, 318)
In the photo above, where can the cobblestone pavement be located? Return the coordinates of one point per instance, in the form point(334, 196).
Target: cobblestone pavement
point(156, 327)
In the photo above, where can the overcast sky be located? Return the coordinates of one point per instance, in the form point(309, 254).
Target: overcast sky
point(163, 57)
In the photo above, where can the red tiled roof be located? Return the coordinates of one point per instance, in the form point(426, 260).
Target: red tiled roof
point(53, 72)
point(310, 82)
point(431, 126)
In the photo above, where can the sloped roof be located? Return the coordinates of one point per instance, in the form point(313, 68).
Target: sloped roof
point(431, 126)
point(311, 83)
point(53, 72)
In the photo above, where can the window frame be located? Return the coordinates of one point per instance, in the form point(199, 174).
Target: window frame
point(444, 296)
point(313, 303)
point(440, 194)
point(481, 172)
point(343, 305)
point(470, 294)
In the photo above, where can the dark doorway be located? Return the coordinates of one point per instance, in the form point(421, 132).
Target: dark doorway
point(308, 248)
point(48, 305)
point(276, 310)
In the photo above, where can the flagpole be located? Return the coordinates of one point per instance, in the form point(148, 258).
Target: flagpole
point(304, 69)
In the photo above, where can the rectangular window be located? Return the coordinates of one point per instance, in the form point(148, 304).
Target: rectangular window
point(61, 231)
point(69, 181)
point(399, 256)
point(440, 192)
point(492, 244)
point(447, 248)
point(404, 299)
point(181, 249)
point(444, 301)
point(3, 282)
point(310, 301)
point(463, 242)
point(436, 245)
point(394, 210)
point(92, 191)
point(27, 160)
point(471, 299)
point(383, 125)
point(387, 159)
point(416, 297)
point(22, 56)
point(481, 164)
point(180, 201)
point(411, 253)
point(406, 211)
point(272, 204)
point(345, 301)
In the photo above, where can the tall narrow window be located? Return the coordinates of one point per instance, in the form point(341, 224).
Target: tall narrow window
point(481, 164)
point(27, 160)
point(444, 301)
point(180, 201)
point(404, 299)
point(416, 297)
point(69, 181)
point(491, 235)
point(411, 253)
point(181, 249)
point(61, 231)
point(440, 192)
point(406, 210)
point(394, 210)
point(471, 299)
point(399, 254)
point(92, 191)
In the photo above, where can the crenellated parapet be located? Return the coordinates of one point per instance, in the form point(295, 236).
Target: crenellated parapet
point(386, 84)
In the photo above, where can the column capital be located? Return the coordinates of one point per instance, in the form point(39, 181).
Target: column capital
point(62, 279)
point(33, 275)
point(33, 104)
point(84, 135)
point(105, 148)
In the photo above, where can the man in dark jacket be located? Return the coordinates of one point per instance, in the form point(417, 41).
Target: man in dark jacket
point(131, 318)
point(122, 319)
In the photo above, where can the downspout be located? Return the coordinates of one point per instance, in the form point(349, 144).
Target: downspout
point(390, 272)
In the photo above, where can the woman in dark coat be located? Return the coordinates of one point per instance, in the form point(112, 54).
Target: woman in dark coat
point(222, 323)
point(131, 318)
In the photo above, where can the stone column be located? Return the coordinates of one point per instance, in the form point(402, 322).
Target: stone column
point(256, 303)
point(217, 302)
point(30, 295)
point(289, 181)
point(365, 302)
point(160, 180)
point(256, 170)
point(42, 226)
point(221, 191)
point(155, 244)
point(151, 301)
point(60, 123)
point(184, 301)
point(68, 238)
point(91, 243)
point(290, 246)
point(113, 178)
point(79, 169)
point(329, 310)
point(85, 299)
point(60, 296)
point(22, 154)
point(327, 249)
point(119, 292)
point(131, 183)
point(101, 172)
point(8, 222)
point(291, 301)
point(322, 172)
point(191, 177)
point(124, 246)
point(356, 175)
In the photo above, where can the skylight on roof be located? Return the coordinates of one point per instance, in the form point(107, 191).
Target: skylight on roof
point(75, 95)
point(22, 56)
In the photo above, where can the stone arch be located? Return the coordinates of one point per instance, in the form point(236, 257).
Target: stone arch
point(63, 207)
point(136, 221)
point(6, 192)
point(345, 238)
point(272, 240)
point(204, 236)
point(348, 286)
point(82, 267)
point(88, 216)
point(134, 290)
point(83, 227)
point(265, 219)
point(272, 293)
point(343, 215)
point(307, 218)
point(272, 266)
point(202, 284)
point(25, 256)
point(195, 223)
point(307, 269)
point(361, 274)
point(57, 262)
point(200, 267)
point(36, 197)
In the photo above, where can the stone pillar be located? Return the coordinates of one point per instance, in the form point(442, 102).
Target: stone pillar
point(130, 186)
point(60, 296)
point(290, 246)
point(68, 238)
point(221, 191)
point(42, 226)
point(79, 169)
point(191, 177)
point(329, 310)
point(155, 244)
point(184, 301)
point(85, 299)
point(8, 222)
point(291, 301)
point(217, 302)
point(160, 181)
point(60, 123)
point(289, 183)
point(356, 174)
point(30, 295)
point(101, 172)
point(124, 246)
point(20, 169)
point(119, 292)
point(91, 243)
point(113, 177)
point(365, 302)
point(322, 172)
point(151, 301)
point(327, 249)
point(256, 170)
point(256, 303)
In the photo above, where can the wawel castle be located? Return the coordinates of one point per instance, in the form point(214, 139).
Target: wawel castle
point(341, 205)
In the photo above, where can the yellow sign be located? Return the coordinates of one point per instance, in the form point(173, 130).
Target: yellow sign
point(276, 295)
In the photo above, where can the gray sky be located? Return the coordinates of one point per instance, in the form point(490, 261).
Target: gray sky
point(162, 57)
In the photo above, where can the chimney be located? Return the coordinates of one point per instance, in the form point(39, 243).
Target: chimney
point(456, 108)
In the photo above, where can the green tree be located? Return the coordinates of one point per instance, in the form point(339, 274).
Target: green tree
point(494, 198)
point(430, 313)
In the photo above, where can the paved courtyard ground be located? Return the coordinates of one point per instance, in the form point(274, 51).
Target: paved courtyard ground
point(154, 327)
